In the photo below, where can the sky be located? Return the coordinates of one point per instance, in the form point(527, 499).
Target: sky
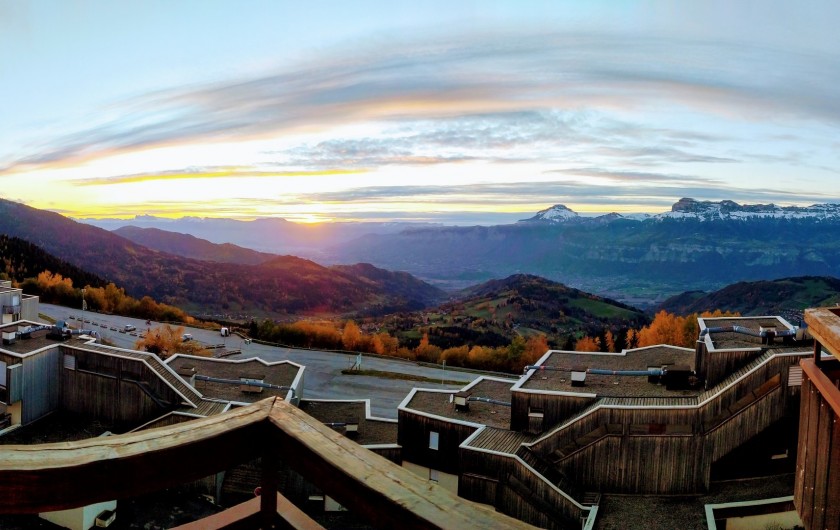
point(461, 112)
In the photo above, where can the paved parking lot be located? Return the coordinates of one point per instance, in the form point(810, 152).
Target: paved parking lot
point(322, 379)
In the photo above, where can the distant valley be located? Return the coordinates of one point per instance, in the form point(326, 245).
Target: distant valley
point(225, 281)
point(637, 259)
point(679, 260)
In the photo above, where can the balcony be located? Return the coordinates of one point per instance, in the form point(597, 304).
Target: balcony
point(50, 477)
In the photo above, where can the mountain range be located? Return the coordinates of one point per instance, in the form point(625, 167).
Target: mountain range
point(691, 209)
point(278, 285)
point(639, 260)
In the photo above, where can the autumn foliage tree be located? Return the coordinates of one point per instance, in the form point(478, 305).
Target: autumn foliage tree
point(351, 336)
point(167, 340)
point(665, 328)
point(589, 344)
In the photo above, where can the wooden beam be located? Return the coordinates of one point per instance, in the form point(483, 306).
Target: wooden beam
point(824, 326)
point(246, 516)
point(57, 476)
point(387, 495)
point(822, 383)
point(268, 486)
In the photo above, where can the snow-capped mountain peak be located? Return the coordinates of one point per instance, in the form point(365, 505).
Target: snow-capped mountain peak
point(730, 210)
point(556, 214)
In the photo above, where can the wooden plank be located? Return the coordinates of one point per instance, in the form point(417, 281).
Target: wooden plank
point(832, 512)
point(57, 476)
point(824, 326)
point(246, 514)
point(821, 470)
point(805, 394)
point(268, 483)
point(813, 419)
point(364, 482)
point(822, 383)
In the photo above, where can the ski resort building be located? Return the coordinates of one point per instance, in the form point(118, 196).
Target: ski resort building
point(15, 305)
point(580, 431)
point(219, 426)
point(645, 438)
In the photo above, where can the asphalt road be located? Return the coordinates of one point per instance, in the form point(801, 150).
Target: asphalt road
point(322, 378)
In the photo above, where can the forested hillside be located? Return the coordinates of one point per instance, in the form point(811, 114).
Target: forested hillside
point(280, 286)
point(493, 313)
point(21, 259)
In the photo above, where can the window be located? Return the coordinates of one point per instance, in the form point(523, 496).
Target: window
point(433, 440)
point(535, 412)
point(434, 475)
point(70, 362)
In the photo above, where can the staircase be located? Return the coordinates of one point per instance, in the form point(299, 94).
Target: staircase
point(548, 471)
point(191, 395)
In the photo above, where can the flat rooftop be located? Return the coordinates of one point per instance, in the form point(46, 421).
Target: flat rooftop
point(562, 363)
point(37, 341)
point(619, 512)
point(282, 373)
point(59, 426)
point(493, 415)
point(729, 340)
point(371, 431)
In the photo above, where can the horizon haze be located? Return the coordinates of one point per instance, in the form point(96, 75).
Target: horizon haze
point(466, 113)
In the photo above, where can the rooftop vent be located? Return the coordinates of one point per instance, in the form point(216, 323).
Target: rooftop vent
point(768, 334)
point(9, 337)
point(678, 378)
point(351, 430)
point(578, 376)
point(188, 373)
point(461, 400)
point(249, 388)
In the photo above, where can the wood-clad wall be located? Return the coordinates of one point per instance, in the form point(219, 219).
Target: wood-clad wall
point(605, 450)
point(506, 483)
point(716, 366)
point(40, 392)
point(641, 464)
point(394, 454)
point(109, 388)
point(555, 409)
point(740, 427)
point(527, 497)
point(413, 435)
point(817, 487)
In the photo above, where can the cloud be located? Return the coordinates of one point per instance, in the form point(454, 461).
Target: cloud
point(210, 173)
point(475, 78)
point(636, 176)
point(628, 193)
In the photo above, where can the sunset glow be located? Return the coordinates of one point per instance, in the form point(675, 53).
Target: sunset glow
point(385, 112)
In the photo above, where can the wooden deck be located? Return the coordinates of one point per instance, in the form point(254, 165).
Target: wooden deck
point(58, 476)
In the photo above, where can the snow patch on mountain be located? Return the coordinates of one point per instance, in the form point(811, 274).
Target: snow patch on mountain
point(730, 210)
point(556, 214)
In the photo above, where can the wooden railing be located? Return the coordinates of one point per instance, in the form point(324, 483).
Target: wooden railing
point(48, 477)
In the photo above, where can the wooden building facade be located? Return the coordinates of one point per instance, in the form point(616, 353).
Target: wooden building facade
point(121, 390)
point(817, 488)
point(668, 445)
